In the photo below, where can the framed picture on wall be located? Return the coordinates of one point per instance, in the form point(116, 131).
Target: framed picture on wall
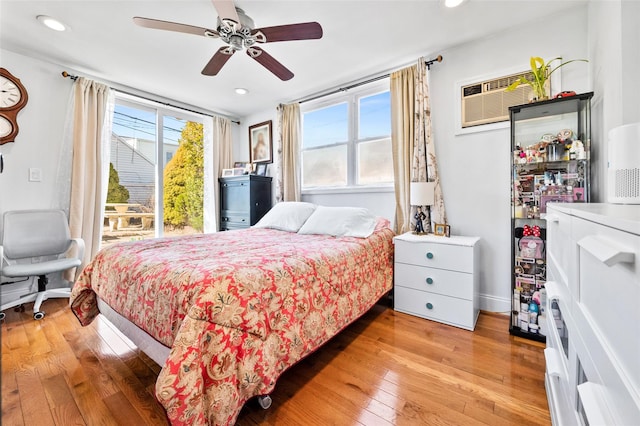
point(261, 143)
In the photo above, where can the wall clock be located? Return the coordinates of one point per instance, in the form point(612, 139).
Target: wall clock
point(13, 97)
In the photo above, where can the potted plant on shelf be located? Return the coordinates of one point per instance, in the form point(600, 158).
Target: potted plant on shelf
point(541, 71)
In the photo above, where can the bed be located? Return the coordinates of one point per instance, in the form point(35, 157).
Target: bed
point(226, 314)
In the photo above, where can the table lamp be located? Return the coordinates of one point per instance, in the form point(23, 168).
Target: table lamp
point(421, 194)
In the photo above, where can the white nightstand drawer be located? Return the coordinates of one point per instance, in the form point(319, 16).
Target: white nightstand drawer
point(449, 310)
point(441, 281)
point(435, 255)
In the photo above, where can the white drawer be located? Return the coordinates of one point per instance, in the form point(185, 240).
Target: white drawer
point(449, 310)
point(561, 249)
point(609, 290)
point(435, 255)
point(441, 281)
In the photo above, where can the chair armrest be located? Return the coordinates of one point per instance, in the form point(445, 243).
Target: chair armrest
point(80, 245)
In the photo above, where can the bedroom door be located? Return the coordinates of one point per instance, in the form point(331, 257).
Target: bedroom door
point(156, 173)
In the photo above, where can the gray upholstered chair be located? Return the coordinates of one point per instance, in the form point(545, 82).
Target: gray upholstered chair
point(36, 243)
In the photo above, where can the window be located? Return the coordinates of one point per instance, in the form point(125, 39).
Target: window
point(155, 201)
point(346, 141)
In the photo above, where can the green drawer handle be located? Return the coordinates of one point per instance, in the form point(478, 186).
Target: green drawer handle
point(429, 306)
point(429, 280)
point(429, 255)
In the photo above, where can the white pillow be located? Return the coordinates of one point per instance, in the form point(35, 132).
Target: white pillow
point(286, 216)
point(340, 222)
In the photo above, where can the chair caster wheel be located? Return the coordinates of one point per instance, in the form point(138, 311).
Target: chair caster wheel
point(265, 401)
point(1, 316)
point(38, 315)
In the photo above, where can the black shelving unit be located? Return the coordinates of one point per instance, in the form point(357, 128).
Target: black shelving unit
point(550, 162)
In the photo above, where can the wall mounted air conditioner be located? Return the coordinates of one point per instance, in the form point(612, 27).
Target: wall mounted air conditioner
point(487, 102)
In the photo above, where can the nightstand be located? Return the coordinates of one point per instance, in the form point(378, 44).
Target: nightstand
point(437, 278)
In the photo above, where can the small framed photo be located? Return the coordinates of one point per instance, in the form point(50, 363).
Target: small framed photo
point(261, 169)
point(261, 143)
point(238, 171)
point(439, 229)
point(447, 231)
point(227, 172)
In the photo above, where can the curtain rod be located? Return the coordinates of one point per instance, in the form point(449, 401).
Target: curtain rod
point(75, 77)
point(362, 83)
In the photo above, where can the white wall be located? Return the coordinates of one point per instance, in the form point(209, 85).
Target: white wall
point(614, 49)
point(38, 144)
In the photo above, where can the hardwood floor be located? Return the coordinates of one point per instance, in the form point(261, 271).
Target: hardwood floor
point(387, 368)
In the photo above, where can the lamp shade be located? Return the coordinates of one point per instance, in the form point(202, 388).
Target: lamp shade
point(422, 193)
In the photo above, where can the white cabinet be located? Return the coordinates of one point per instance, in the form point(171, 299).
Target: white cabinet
point(593, 353)
point(436, 278)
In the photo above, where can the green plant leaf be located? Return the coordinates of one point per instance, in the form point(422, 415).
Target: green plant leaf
point(513, 86)
point(565, 63)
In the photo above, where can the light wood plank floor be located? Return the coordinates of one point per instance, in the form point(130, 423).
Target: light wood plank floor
point(387, 368)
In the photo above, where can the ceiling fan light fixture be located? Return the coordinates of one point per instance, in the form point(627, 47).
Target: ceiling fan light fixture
point(453, 3)
point(241, 91)
point(235, 41)
point(51, 23)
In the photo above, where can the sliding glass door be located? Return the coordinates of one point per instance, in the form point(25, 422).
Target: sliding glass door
point(156, 173)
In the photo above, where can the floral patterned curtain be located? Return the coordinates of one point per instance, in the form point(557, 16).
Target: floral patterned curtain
point(424, 164)
point(414, 155)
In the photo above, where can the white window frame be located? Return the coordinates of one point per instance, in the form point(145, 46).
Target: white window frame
point(351, 98)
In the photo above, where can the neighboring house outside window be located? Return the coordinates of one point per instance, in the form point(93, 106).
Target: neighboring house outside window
point(346, 140)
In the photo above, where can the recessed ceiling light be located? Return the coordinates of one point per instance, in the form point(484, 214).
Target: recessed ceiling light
point(452, 3)
point(52, 23)
point(241, 91)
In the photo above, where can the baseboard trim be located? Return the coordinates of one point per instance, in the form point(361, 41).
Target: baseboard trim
point(491, 303)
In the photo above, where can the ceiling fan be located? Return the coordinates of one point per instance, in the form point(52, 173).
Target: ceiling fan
point(237, 30)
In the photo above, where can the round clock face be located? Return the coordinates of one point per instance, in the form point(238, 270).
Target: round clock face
point(9, 93)
point(5, 127)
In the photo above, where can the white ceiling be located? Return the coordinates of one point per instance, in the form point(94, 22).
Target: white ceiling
point(361, 39)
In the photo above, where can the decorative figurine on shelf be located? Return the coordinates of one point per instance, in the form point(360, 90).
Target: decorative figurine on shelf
point(419, 217)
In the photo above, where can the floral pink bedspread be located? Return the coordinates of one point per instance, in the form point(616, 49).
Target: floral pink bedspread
point(237, 308)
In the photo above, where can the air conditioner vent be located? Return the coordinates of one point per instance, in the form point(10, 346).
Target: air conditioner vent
point(486, 102)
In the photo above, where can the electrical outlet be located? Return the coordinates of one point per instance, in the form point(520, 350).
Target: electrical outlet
point(35, 174)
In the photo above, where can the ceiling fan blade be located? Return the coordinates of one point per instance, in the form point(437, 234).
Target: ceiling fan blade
point(218, 60)
point(174, 26)
point(303, 31)
point(226, 10)
point(270, 63)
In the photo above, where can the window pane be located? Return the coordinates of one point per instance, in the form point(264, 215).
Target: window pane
point(375, 116)
point(325, 126)
point(183, 176)
point(325, 166)
point(374, 162)
point(132, 180)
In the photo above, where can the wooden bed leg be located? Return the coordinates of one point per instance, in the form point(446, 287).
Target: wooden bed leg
point(265, 401)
